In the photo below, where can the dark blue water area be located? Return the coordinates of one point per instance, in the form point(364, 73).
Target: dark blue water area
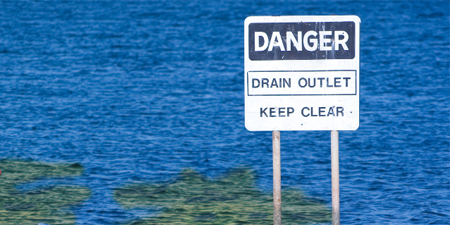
point(136, 91)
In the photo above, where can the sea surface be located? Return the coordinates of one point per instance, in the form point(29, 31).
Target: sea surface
point(138, 91)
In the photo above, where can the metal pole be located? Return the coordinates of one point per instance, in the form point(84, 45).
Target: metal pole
point(336, 220)
point(276, 178)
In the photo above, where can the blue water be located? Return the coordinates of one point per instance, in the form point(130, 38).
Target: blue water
point(139, 90)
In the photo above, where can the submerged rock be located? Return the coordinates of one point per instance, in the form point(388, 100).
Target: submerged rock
point(233, 199)
point(45, 205)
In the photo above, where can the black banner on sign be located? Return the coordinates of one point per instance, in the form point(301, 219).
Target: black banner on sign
point(301, 41)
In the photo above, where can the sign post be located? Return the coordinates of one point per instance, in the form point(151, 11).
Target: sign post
point(276, 178)
point(302, 73)
point(335, 207)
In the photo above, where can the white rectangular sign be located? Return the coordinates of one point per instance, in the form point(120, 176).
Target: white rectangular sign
point(302, 73)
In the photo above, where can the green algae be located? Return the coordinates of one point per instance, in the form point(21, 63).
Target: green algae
point(40, 205)
point(234, 199)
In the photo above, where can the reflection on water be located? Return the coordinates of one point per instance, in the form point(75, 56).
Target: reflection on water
point(193, 199)
point(39, 205)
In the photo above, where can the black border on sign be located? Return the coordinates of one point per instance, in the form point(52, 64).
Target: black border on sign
point(356, 82)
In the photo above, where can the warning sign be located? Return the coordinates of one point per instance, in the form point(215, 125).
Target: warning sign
point(302, 73)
